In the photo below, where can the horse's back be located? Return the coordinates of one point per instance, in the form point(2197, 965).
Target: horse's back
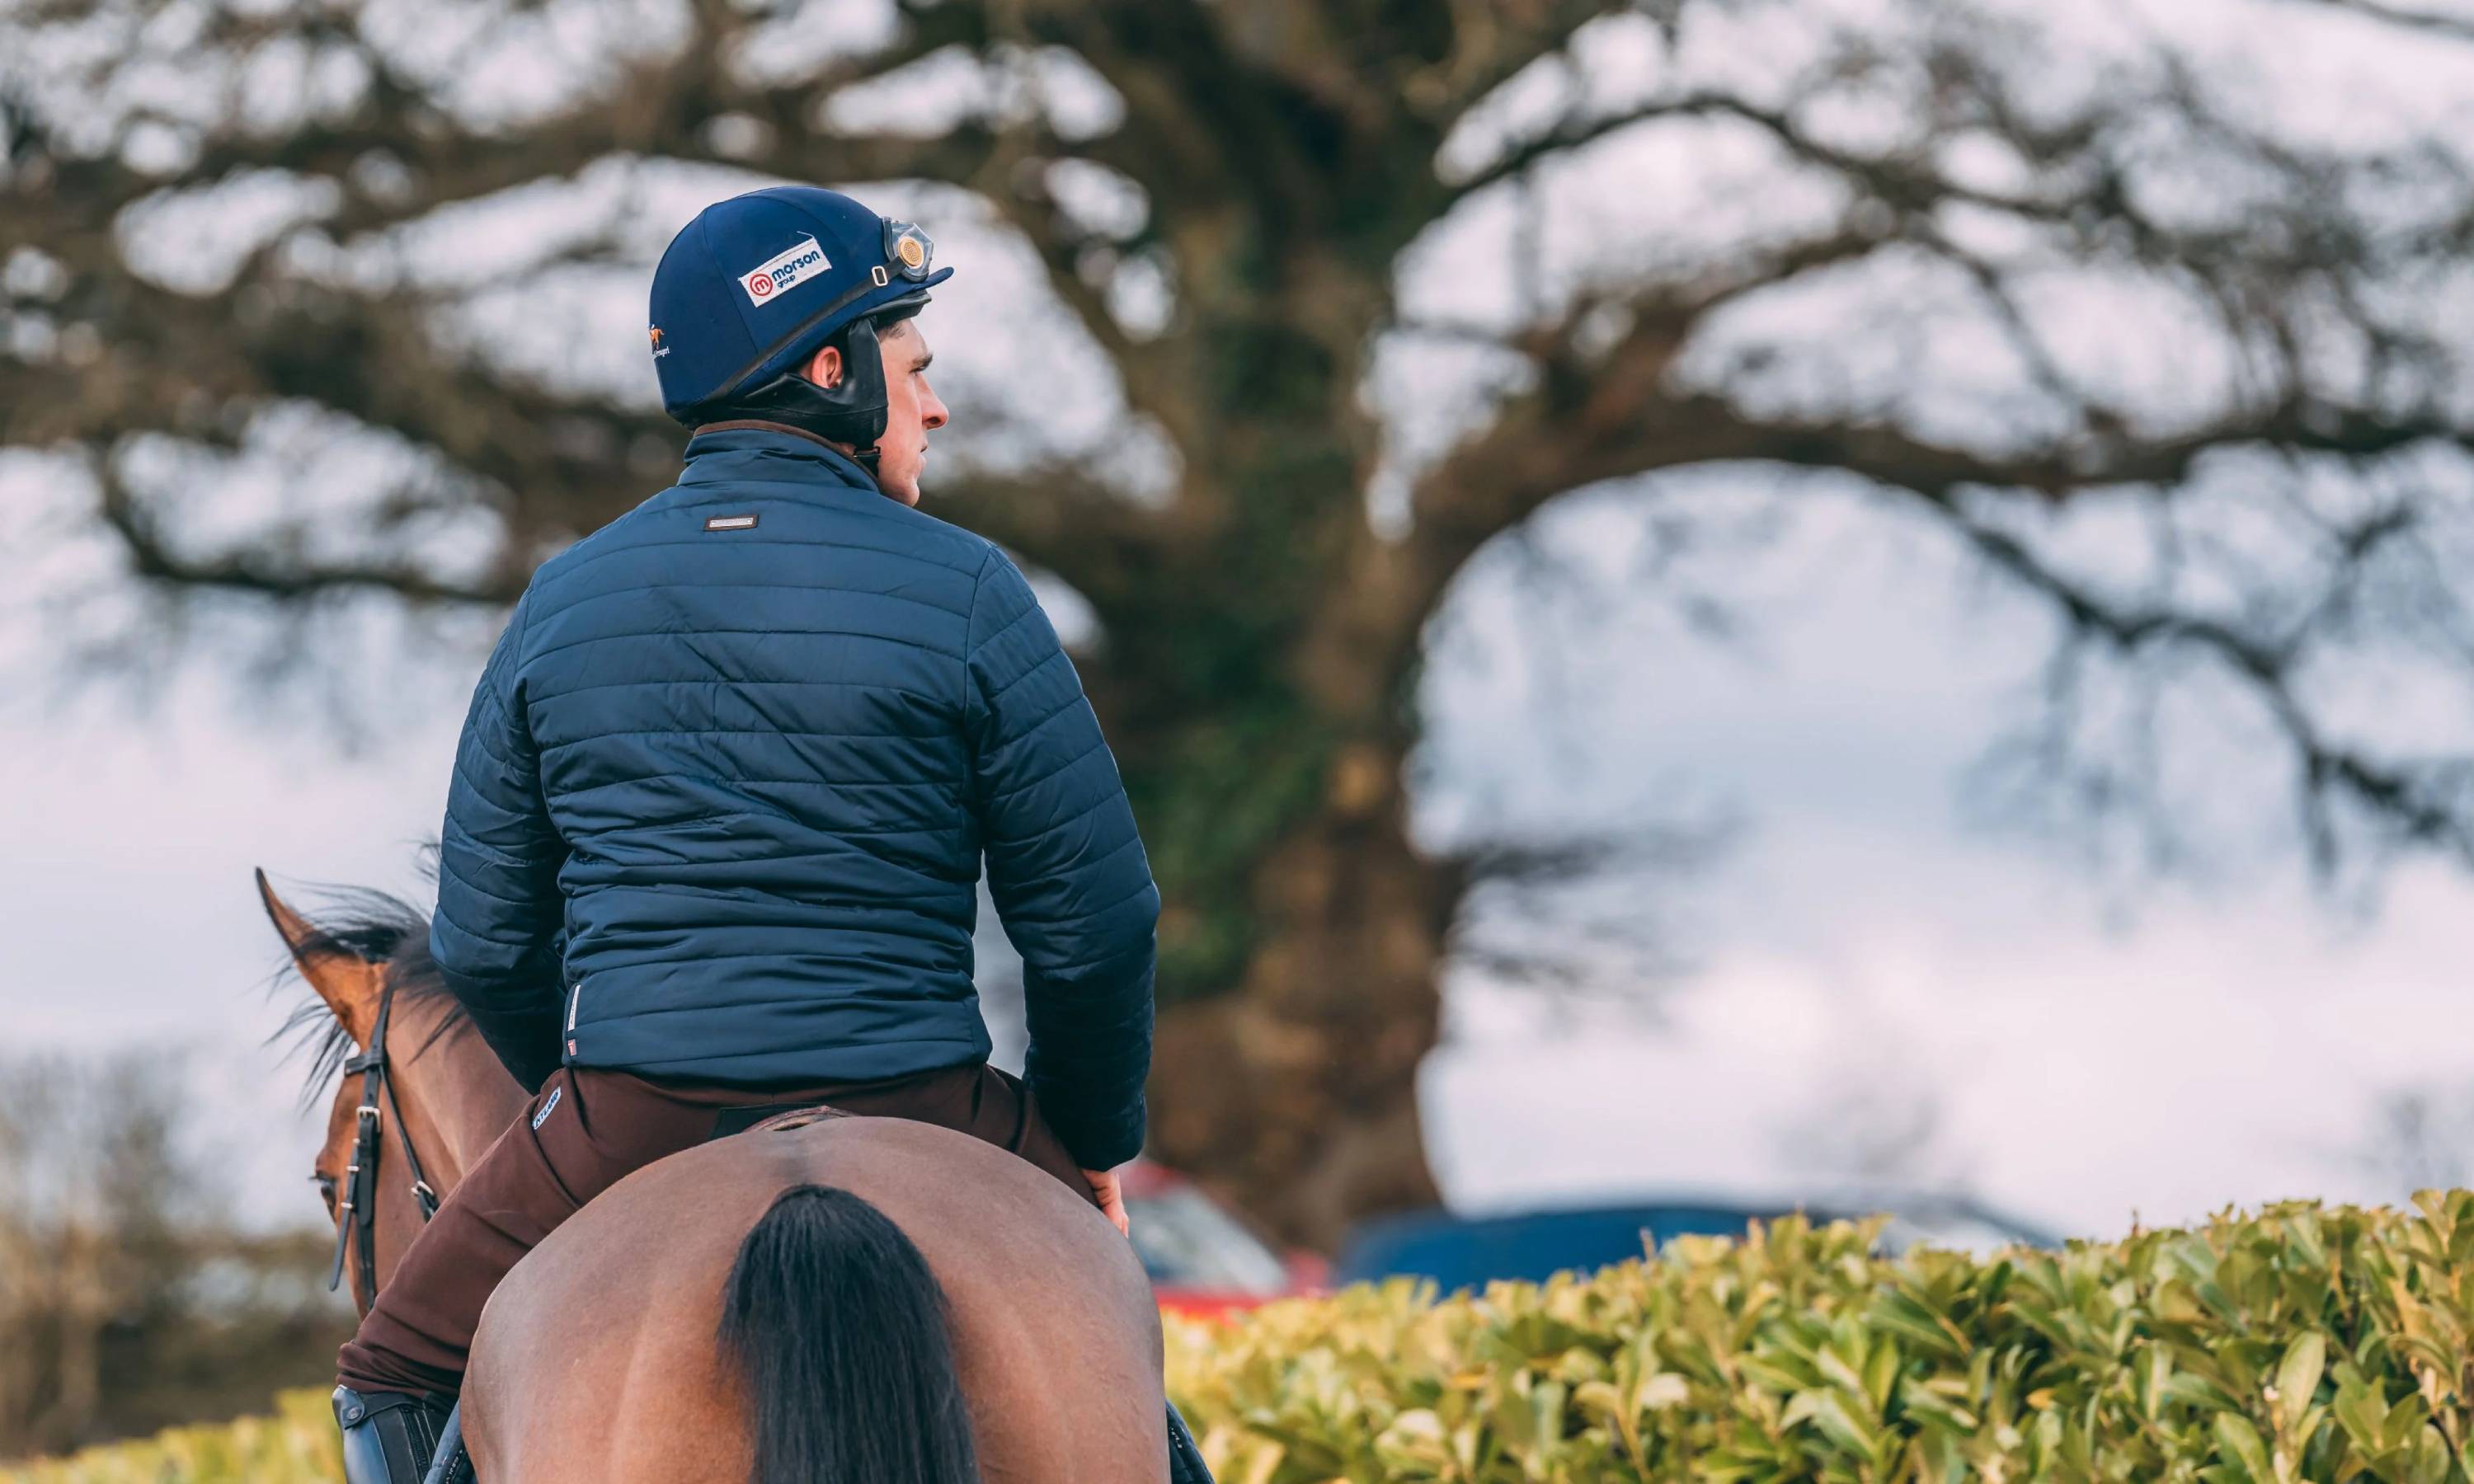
point(598, 1359)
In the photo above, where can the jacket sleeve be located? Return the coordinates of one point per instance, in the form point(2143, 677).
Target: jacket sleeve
point(499, 917)
point(1067, 870)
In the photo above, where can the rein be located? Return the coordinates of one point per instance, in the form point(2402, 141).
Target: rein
point(359, 1206)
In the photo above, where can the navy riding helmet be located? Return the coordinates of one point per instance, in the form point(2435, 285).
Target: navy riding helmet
point(755, 286)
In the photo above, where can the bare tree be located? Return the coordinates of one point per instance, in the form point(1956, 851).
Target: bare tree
point(1373, 285)
point(129, 1302)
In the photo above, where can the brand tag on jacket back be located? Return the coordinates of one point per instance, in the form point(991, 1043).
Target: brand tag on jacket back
point(731, 523)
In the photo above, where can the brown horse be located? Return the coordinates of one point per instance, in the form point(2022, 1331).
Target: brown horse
point(716, 1317)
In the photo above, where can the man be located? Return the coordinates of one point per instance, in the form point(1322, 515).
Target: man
point(718, 814)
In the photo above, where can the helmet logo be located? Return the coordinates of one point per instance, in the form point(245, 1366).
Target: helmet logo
point(654, 333)
point(801, 261)
point(913, 256)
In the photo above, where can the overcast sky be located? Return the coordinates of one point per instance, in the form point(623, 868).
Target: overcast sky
point(1880, 953)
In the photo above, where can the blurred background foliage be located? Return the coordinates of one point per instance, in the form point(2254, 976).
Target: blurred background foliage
point(129, 1298)
point(1303, 304)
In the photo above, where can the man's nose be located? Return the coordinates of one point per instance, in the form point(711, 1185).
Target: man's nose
point(932, 415)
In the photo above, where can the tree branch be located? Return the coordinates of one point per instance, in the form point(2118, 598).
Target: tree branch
point(1103, 545)
point(1617, 416)
point(2453, 27)
point(657, 106)
point(2425, 804)
point(1152, 373)
point(1492, 43)
point(254, 572)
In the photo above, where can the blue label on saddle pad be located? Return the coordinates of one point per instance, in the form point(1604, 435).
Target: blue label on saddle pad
point(540, 1118)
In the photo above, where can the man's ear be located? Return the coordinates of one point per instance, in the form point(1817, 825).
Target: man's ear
point(826, 368)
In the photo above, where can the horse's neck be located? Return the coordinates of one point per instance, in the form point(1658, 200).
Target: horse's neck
point(465, 1097)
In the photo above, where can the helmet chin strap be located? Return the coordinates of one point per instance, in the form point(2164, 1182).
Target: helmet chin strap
point(851, 412)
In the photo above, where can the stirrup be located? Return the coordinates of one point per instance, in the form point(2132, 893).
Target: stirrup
point(389, 1437)
point(1185, 1464)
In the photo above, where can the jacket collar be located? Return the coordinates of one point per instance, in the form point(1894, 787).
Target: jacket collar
point(773, 440)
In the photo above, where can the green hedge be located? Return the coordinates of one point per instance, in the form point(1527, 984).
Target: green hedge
point(2301, 1344)
point(296, 1446)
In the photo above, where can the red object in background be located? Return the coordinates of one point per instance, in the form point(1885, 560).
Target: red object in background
point(1203, 1260)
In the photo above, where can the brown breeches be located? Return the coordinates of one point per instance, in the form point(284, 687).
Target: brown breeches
point(585, 1131)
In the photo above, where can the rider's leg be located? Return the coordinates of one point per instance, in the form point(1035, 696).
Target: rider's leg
point(452, 1465)
point(582, 1132)
point(388, 1437)
point(1185, 1464)
point(399, 1373)
point(556, 1156)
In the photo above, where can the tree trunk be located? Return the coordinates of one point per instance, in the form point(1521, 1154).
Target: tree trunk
point(1298, 1090)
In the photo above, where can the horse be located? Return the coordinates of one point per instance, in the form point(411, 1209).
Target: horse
point(847, 1300)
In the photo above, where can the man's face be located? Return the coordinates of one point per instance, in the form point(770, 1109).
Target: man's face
point(911, 412)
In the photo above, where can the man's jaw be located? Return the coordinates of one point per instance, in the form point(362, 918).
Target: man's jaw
point(910, 494)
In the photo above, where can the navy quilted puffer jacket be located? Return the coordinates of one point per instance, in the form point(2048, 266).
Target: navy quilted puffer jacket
point(719, 810)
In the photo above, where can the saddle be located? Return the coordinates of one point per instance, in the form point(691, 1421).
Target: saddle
point(771, 1118)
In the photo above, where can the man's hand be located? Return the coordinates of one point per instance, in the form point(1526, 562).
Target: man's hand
point(1112, 1197)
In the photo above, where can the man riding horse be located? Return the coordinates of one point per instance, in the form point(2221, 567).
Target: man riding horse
point(718, 814)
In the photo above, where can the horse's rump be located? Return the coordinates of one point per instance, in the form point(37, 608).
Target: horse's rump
point(599, 1357)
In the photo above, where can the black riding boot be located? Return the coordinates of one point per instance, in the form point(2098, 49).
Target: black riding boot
point(452, 1465)
point(388, 1437)
point(1185, 1464)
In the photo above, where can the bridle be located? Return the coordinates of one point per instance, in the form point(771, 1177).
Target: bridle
point(359, 1206)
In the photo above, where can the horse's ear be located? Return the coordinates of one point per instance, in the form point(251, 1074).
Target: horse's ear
point(347, 982)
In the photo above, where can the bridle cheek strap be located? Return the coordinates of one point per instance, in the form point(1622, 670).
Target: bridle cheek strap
point(359, 1210)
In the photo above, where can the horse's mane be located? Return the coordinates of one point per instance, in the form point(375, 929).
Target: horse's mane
point(374, 926)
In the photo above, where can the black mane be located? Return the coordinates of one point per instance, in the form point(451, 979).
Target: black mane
point(376, 927)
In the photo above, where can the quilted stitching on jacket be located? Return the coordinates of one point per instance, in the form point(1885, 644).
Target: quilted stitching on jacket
point(721, 806)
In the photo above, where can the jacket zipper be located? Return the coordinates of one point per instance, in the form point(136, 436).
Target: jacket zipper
point(574, 998)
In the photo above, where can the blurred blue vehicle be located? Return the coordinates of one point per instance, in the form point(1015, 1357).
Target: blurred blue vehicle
point(1467, 1252)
